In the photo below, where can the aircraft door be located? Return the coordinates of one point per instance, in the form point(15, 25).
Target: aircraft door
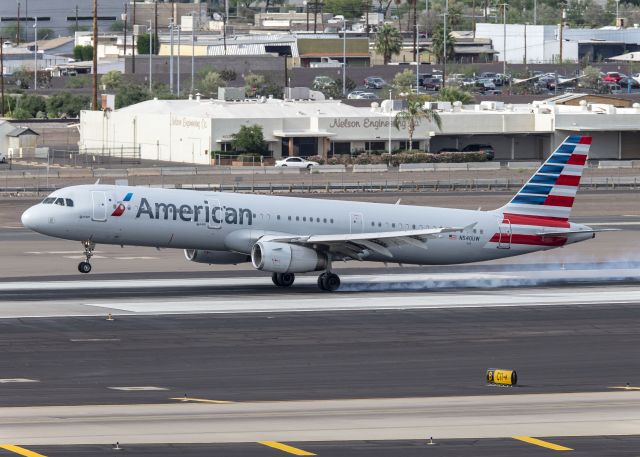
point(99, 199)
point(356, 223)
point(504, 229)
point(216, 213)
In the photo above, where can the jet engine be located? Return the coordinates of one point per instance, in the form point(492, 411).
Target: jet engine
point(215, 257)
point(286, 258)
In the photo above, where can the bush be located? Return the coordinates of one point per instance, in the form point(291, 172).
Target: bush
point(249, 158)
point(318, 159)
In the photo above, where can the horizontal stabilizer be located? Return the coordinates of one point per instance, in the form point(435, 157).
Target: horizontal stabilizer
point(569, 232)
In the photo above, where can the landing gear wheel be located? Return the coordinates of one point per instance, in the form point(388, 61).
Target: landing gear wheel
point(329, 282)
point(89, 246)
point(321, 279)
point(283, 279)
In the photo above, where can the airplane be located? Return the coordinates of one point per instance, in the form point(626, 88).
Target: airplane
point(286, 235)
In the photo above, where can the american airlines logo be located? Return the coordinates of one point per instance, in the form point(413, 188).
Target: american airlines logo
point(121, 207)
point(195, 213)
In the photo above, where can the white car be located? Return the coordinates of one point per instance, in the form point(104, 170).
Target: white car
point(296, 162)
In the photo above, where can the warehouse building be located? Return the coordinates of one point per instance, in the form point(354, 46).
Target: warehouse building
point(189, 131)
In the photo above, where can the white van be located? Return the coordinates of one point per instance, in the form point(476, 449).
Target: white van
point(3, 157)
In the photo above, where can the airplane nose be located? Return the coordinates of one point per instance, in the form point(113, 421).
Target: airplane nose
point(30, 218)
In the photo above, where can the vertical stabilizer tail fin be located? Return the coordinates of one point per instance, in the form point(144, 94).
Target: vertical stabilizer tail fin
point(551, 191)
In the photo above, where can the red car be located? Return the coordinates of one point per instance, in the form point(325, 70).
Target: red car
point(612, 77)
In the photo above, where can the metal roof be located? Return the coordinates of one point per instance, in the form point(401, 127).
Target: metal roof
point(19, 131)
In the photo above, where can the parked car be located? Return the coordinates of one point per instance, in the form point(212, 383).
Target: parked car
point(322, 80)
point(367, 96)
point(374, 82)
point(3, 157)
point(432, 84)
point(485, 84)
point(626, 82)
point(441, 150)
point(296, 162)
point(612, 77)
point(487, 149)
point(355, 94)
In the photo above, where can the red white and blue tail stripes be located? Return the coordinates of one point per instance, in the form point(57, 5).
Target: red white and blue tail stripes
point(550, 193)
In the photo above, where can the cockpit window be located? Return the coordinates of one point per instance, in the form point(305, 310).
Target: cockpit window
point(59, 201)
point(48, 201)
point(69, 202)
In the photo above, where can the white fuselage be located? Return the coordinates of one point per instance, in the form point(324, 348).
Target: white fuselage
point(219, 221)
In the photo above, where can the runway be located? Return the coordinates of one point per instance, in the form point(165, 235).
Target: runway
point(583, 414)
point(395, 356)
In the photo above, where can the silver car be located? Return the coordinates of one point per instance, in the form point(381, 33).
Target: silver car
point(296, 162)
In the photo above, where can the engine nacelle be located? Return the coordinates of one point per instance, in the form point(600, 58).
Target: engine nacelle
point(286, 258)
point(215, 257)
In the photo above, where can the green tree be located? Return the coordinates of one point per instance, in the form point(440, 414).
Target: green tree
point(83, 53)
point(437, 44)
point(111, 80)
point(11, 31)
point(65, 104)
point(250, 139)
point(210, 83)
point(80, 28)
point(46, 34)
point(455, 94)
point(131, 93)
point(253, 84)
point(413, 114)
point(404, 81)
point(590, 78)
point(144, 41)
point(347, 8)
point(117, 26)
point(32, 104)
point(388, 42)
point(329, 87)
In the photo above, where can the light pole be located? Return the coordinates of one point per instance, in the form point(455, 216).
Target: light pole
point(390, 111)
point(193, 46)
point(150, 52)
point(417, 60)
point(35, 56)
point(178, 72)
point(171, 55)
point(504, 38)
point(123, 16)
point(306, 7)
point(617, 11)
point(344, 57)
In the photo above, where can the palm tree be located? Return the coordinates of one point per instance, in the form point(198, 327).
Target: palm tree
point(454, 94)
point(413, 114)
point(437, 44)
point(388, 42)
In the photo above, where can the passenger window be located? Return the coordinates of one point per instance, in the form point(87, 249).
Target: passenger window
point(48, 201)
point(69, 202)
point(324, 220)
point(59, 201)
point(304, 219)
point(297, 218)
point(332, 221)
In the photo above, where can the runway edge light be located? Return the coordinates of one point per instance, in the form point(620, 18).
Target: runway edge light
point(502, 377)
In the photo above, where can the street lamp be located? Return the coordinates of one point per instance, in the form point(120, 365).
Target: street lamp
point(171, 55)
point(178, 71)
point(390, 111)
point(193, 46)
point(617, 11)
point(306, 7)
point(444, 49)
point(123, 16)
point(344, 57)
point(150, 52)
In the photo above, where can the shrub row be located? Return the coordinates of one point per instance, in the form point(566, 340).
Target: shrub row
point(402, 157)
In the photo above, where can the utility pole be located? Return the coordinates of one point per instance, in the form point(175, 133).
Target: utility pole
point(315, 17)
point(444, 47)
point(178, 72)
point(151, 31)
point(344, 57)
point(124, 17)
point(504, 39)
point(77, 18)
point(18, 26)
point(133, 39)
point(526, 65)
point(418, 64)
point(1, 78)
point(535, 12)
point(473, 12)
point(95, 55)
point(35, 55)
point(415, 30)
point(562, 18)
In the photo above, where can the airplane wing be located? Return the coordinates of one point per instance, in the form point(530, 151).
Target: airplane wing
point(356, 245)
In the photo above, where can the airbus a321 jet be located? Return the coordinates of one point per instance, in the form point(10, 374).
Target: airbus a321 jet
point(284, 235)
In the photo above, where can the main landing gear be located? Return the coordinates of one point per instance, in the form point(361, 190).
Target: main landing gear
point(85, 267)
point(328, 281)
point(283, 279)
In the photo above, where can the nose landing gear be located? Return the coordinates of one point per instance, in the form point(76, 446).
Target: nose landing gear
point(85, 267)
